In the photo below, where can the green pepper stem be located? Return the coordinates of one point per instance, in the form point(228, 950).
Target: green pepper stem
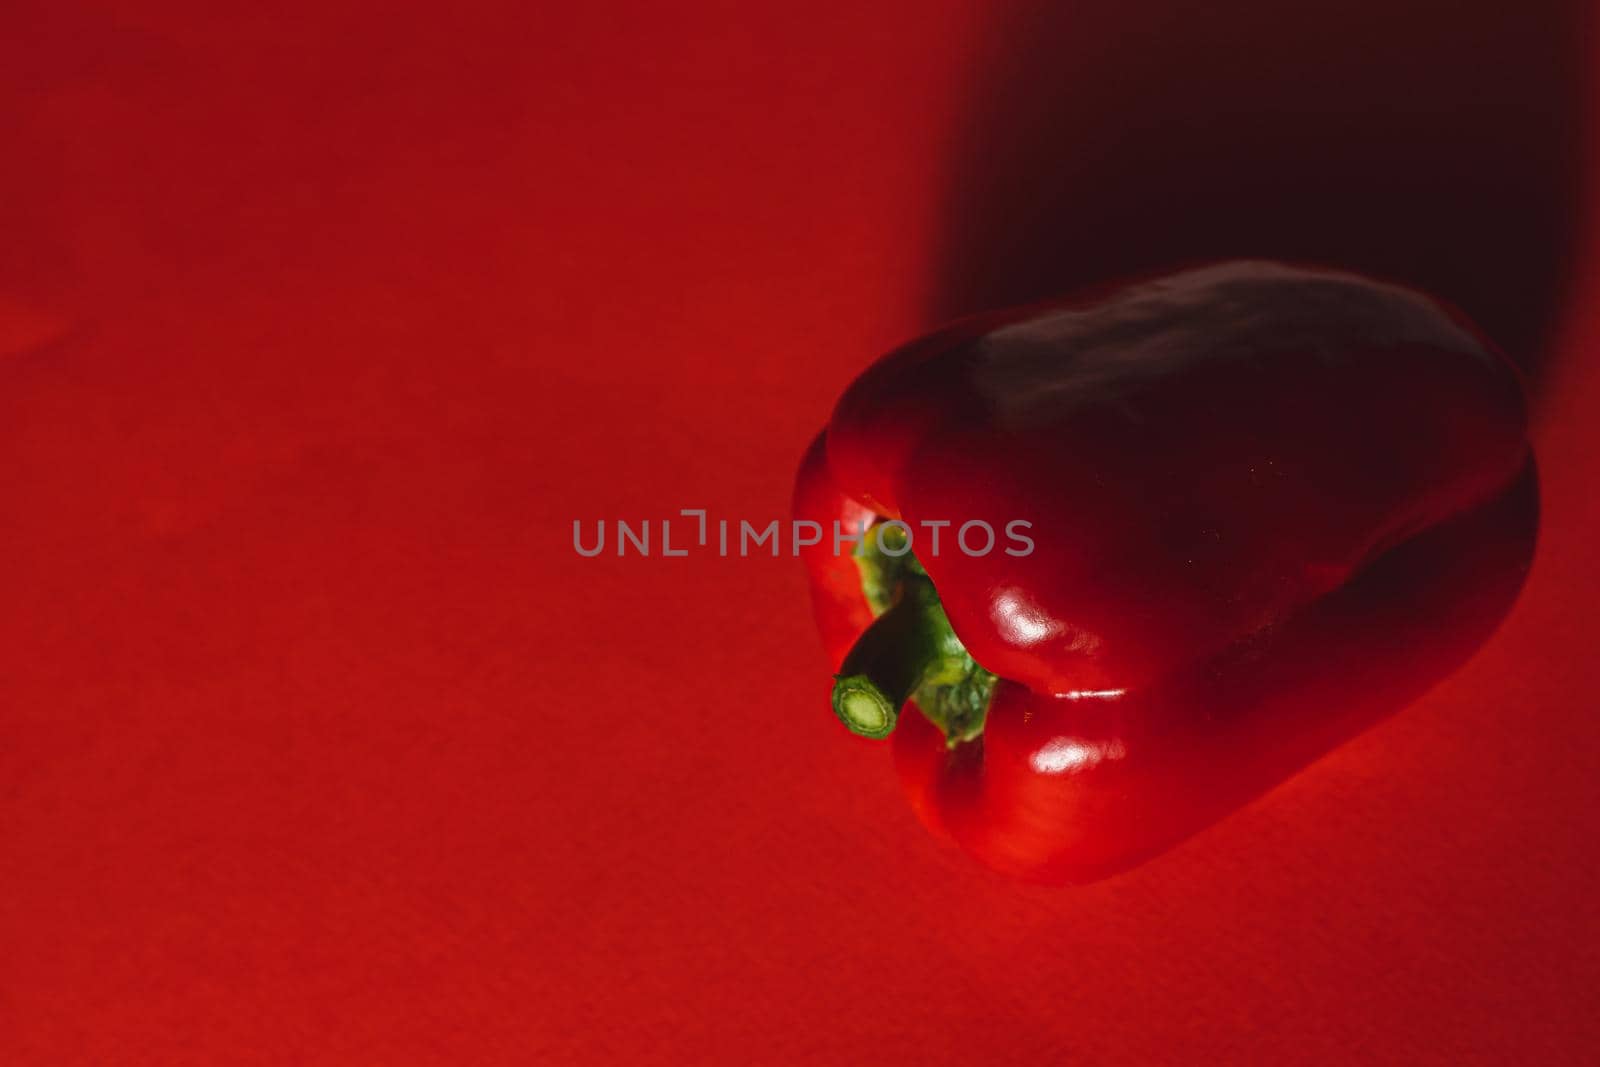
point(891, 658)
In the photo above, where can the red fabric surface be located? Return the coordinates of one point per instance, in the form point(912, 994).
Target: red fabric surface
point(318, 743)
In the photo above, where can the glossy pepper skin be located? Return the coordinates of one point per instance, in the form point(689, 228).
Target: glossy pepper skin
point(1268, 505)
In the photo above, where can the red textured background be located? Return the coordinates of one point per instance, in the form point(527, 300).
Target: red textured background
point(319, 326)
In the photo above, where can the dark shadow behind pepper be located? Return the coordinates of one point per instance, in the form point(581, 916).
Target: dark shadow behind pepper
point(1434, 143)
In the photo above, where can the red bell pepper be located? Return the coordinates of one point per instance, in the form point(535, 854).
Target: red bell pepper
point(1256, 508)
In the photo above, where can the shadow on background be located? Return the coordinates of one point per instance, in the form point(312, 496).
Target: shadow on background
point(1431, 142)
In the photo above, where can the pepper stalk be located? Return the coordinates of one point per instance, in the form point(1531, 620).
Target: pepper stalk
point(910, 652)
